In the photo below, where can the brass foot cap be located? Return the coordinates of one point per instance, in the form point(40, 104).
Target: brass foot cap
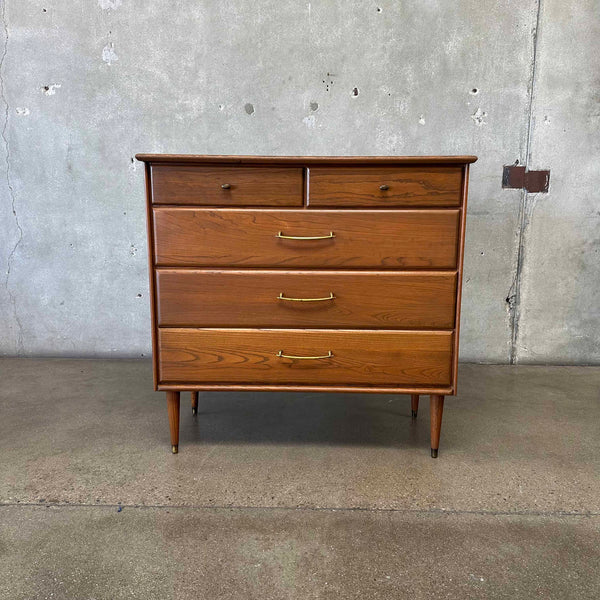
point(434, 453)
point(175, 449)
point(413, 414)
point(194, 410)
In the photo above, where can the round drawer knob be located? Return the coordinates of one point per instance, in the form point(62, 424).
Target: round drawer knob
point(226, 186)
point(384, 187)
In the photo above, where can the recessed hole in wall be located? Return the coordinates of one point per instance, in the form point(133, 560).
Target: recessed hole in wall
point(314, 106)
point(474, 92)
point(139, 295)
point(355, 92)
point(249, 108)
point(378, 9)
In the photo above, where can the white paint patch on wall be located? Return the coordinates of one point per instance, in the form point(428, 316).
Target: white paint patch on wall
point(479, 117)
point(51, 88)
point(109, 4)
point(109, 56)
point(22, 111)
point(310, 121)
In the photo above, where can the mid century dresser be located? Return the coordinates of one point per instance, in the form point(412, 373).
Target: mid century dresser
point(337, 274)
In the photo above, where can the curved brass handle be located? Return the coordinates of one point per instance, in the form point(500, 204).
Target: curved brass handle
point(384, 187)
point(280, 354)
point(226, 186)
point(305, 237)
point(282, 297)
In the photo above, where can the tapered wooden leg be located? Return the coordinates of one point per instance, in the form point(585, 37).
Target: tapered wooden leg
point(414, 406)
point(173, 408)
point(436, 408)
point(194, 403)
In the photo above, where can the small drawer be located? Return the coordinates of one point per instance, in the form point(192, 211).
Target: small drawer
point(384, 186)
point(383, 239)
point(321, 299)
point(227, 185)
point(305, 356)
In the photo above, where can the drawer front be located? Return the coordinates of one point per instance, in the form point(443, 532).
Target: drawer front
point(327, 299)
point(227, 186)
point(384, 186)
point(351, 357)
point(353, 239)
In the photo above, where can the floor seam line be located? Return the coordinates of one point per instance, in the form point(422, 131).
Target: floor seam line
point(432, 511)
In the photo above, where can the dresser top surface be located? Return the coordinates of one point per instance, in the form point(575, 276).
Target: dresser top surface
point(304, 160)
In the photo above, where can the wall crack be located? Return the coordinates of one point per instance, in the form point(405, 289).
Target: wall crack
point(526, 209)
point(11, 191)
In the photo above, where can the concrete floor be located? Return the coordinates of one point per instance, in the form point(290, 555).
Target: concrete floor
point(297, 495)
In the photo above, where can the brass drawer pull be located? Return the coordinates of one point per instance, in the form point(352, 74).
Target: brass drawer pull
point(384, 187)
point(282, 297)
point(280, 354)
point(305, 237)
point(226, 186)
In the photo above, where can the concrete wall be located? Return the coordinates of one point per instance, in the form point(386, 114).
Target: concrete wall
point(86, 85)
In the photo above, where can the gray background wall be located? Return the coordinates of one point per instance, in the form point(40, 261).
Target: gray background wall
point(87, 84)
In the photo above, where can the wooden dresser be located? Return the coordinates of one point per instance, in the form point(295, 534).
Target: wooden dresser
point(332, 274)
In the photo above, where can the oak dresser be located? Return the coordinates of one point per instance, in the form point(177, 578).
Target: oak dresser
point(311, 274)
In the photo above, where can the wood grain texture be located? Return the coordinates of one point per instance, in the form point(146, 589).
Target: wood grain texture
point(173, 405)
point(404, 186)
point(362, 299)
point(359, 357)
point(282, 387)
point(461, 258)
point(436, 409)
point(382, 239)
point(248, 186)
point(151, 271)
point(301, 160)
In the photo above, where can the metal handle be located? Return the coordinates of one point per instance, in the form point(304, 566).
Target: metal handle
point(282, 297)
point(226, 186)
point(384, 187)
point(305, 237)
point(280, 354)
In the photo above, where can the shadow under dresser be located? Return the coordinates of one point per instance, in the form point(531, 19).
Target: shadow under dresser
point(320, 274)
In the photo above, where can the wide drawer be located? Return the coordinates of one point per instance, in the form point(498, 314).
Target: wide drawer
point(385, 186)
point(328, 299)
point(339, 357)
point(227, 186)
point(383, 239)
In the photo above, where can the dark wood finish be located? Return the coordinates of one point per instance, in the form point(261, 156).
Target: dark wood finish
point(402, 186)
point(436, 408)
point(384, 239)
point(173, 410)
point(303, 160)
point(359, 357)
point(230, 186)
point(362, 299)
point(414, 406)
point(194, 403)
